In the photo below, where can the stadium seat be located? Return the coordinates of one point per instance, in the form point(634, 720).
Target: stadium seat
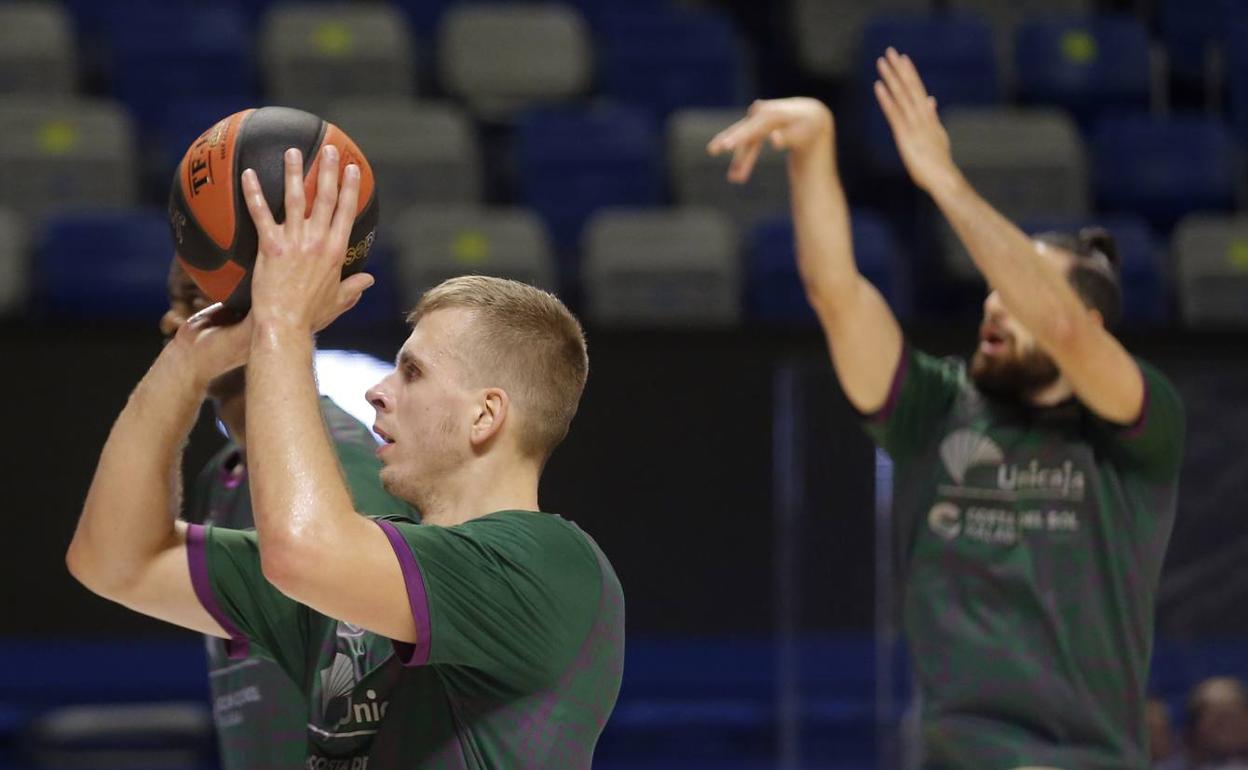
point(572, 162)
point(700, 180)
point(539, 54)
point(314, 53)
point(155, 51)
point(63, 153)
point(434, 243)
point(1211, 265)
point(14, 263)
point(1164, 168)
point(956, 56)
point(1028, 163)
point(182, 121)
point(420, 152)
point(1090, 66)
point(662, 267)
point(828, 34)
point(665, 59)
point(1195, 33)
point(37, 53)
point(774, 292)
point(1143, 268)
point(1005, 18)
point(1237, 79)
point(104, 264)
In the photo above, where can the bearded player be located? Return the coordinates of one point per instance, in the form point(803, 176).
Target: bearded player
point(259, 714)
point(1035, 490)
point(491, 636)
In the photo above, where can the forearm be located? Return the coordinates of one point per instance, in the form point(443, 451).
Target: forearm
point(128, 517)
point(298, 493)
point(825, 256)
point(1034, 291)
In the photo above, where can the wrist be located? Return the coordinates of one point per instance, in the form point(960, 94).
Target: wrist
point(945, 183)
point(173, 366)
point(279, 331)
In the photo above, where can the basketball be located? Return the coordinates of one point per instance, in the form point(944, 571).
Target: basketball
point(214, 237)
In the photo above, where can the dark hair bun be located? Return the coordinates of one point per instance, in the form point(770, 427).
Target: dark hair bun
point(1100, 239)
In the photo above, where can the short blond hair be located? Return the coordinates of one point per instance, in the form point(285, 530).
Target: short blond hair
point(526, 342)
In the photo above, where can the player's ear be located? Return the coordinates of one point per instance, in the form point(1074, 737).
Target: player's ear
point(1096, 316)
point(491, 413)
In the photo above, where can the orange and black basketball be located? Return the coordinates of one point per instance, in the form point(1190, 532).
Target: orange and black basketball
point(213, 234)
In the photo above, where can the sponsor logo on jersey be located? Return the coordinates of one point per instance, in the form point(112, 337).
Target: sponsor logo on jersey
point(997, 526)
point(342, 709)
point(965, 449)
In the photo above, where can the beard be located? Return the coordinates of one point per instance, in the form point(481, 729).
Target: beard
point(1015, 376)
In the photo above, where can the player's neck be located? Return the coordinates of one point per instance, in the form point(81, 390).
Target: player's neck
point(481, 491)
point(1052, 394)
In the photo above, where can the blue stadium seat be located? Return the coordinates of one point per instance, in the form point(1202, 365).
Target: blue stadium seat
point(1147, 296)
point(1237, 78)
point(1090, 66)
point(182, 121)
point(665, 59)
point(954, 53)
point(572, 162)
point(774, 293)
point(158, 51)
point(1163, 168)
point(104, 264)
point(1191, 30)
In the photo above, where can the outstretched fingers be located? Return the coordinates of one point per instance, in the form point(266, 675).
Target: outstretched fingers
point(296, 206)
point(344, 214)
point(258, 207)
point(326, 190)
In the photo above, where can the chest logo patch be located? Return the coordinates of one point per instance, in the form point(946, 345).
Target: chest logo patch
point(964, 449)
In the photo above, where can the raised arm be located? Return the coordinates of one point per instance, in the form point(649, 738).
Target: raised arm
point(1034, 289)
point(314, 547)
point(128, 546)
point(863, 336)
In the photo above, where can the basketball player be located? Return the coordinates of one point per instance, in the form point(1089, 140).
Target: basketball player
point(1035, 489)
point(259, 713)
point(491, 636)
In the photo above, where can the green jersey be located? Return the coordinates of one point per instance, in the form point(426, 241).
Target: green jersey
point(259, 713)
point(520, 621)
point(1030, 542)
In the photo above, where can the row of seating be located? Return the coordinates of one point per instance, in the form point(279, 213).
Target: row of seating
point(656, 56)
point(671, 267)
point(571, 162)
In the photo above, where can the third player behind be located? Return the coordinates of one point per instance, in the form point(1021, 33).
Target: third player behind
point(1035, 488)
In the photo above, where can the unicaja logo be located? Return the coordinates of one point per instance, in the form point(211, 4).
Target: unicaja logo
point(964, 449)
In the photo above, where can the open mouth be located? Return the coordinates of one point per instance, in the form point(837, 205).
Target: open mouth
point(384, 436)
point(993, 341)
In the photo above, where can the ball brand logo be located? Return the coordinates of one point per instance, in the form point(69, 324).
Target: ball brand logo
point(360, 250)
point(199, 160)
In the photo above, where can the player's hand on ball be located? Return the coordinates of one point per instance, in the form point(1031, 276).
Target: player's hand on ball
point(298, 274)
point(921, 139)
point(798, 125)
point(212, 343)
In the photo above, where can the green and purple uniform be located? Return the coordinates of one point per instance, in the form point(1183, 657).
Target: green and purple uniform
point(520, 621)
point(1030, 542)
point(260, 715)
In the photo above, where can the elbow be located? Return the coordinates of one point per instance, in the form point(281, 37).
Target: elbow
point(87, 570)
point(288, 562)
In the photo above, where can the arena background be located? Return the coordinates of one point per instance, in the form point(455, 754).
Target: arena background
point(713, 458)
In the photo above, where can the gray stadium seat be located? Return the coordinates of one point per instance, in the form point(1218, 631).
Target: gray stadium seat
point(700, 180)
point(14, 263)
point(662, 267)
point(827, 31)
point(315, 53)
point(37, 54)
point(1211, 265)
point(65, 152)
point(439, 242)
point(420, 152)
point(1028, 163)
point(537, 53)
